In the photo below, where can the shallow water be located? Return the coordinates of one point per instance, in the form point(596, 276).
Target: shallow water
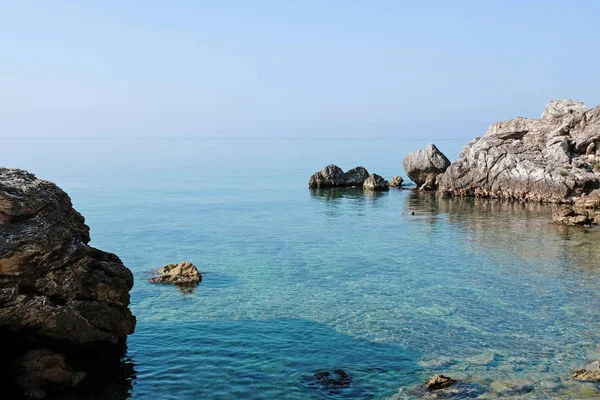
point(297, 281)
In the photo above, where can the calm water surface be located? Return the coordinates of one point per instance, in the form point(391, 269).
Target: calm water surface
point(298, 281)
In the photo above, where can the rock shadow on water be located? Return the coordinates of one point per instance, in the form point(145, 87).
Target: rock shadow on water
point(277, 358)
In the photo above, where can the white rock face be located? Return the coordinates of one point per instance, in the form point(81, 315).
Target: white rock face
point(551, 159)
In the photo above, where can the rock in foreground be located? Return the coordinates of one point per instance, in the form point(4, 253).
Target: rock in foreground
point(438, 382)
point(184, 273)
point(424, 167)
point(56, 292)
point(375, 182)
point(551, 159)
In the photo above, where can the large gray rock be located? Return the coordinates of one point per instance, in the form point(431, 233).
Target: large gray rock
point(531, 159)
point(424, 166)
point(55, 290)
point(333, 176)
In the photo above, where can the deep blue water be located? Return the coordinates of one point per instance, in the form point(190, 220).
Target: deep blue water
point(298, 281)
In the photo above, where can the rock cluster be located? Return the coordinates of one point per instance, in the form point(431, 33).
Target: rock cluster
point(425, 166)
point(56, 292)
point(574, 217)
point(333, 176)
point(551, 159)
point(183, 273)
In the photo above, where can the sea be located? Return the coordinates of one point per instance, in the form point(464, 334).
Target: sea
point(297, 281)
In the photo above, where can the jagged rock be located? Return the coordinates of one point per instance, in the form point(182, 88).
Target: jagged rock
point(333, 176)
point(52, 284)
point(41, 372)
point(55, 290)
point(548, 159)
point(330, 176)
point(375, 182)
point(591, 373)
point(424, 166)
point(438, 382)
point(396, 181)
point(355, 176)
point(179, 274)
point(570, 216)
point(339, 378)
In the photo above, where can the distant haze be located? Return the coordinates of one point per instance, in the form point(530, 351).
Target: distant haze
point(315, 69)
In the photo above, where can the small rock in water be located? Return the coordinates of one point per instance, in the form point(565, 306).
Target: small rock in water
point(591, 373)
point(569, 216)
point(340, 380)
point(412, 213)
point(438, 382)
point(396, 181)
point(376, 182)
point(179, 274)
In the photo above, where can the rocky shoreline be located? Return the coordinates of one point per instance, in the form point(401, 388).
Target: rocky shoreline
point(553, 159)
point(64, 305)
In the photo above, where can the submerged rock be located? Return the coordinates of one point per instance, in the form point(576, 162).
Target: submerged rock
point(179, 274)
point(396, 181)
point(55, 290)
point(570, 216)
point(438, 382)
point(551, 159)
point(424, 166)
point(591, 373)
point(42, 372)
point(339, 378)
point(375, 182)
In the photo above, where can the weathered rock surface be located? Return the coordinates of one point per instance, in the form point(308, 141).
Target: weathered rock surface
point(375, 182)
point(591, 373)
point(55, 290)
point(334, 176)
point(183, 273)
point(424, 167)
point(551, 159)
point(438, 382)
point(396, 181)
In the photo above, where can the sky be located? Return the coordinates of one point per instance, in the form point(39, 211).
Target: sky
point(301, 69)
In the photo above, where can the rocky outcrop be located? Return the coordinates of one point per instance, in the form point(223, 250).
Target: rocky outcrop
point(438, 382)
point(396, 181)
point(551, 159)
point(334, 176)
point(375, 182)
point(424, 167)
point(570, 216)
point(591, 373)
point(184, 273)
point(55, 290)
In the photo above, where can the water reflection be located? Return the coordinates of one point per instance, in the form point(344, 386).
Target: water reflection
point(333, 194)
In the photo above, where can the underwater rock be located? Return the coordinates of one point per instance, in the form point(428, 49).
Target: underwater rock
point(424, 166)
point(179, 274)
point(375, 182)
point(570, 216)
point(438, 382)
point(42, 372)
point(339, 378)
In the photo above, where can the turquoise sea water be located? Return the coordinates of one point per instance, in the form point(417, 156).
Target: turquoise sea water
point(297, 281)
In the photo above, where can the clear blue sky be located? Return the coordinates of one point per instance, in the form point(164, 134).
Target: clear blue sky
point(323, 68)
